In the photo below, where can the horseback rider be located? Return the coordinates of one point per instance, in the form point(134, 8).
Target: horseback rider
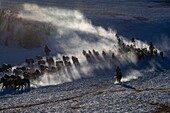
point(118, 74)
point(151, 48)
point(47, 50)
point(133, 42)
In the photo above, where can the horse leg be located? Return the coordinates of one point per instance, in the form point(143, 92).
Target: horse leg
point(118, 80)
point(28, 83)
point(3, 86)
point(15, 87)
point(21, 87)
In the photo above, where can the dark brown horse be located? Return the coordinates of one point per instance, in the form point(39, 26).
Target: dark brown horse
point(6, 83)
point(5, 68)
point(75, 60)
point(25, 82)
point(29, 61)
point(59, 64)
point(15, 82)
point(66, 60)
point(50, 61)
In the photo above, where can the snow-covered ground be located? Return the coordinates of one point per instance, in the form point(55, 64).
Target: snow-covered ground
point(97, 94)
point(78, 25)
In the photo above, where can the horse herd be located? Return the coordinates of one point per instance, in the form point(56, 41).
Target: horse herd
point(18, 77)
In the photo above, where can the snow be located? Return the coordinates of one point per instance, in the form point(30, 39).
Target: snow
point(89, 95)
point(92, 87)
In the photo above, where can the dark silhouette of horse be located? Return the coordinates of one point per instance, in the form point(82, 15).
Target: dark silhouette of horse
point(43, 68)
point(75, 60)
point(5, 68)
point(67, 63)
point(90, 53)
point(41, 62)
point(59, 64)
point(50, 61)
point(15, 82)
point(21, 83)
point(34, 74)
point(84, 52)
point(25, 82)
point(39, 57)
point(103, 53)
point(52, 70)
point(6, 83)
point(23, 68)
point(87, 55)
point(66, 60)
point(18, 71)
point(96, 53)
point(29, 61)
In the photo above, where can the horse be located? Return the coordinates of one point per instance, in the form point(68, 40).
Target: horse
point(59, 64)
point(103, 53)
point(39, 57)
point(43, 68)
point(5, 68)
point(18, 71)
point(52, 70)
point(29, 61)
point(90, 53)
point(84, 53)
point(75, 60)
point(14, 82)
point(21, 68)
point(66, 60)
point(50, 61)
point(67, 63)
point(96, 53)
point(88, 57)
point(24, 82)
point(41, 62)
point(6, 82)
point(20, 83)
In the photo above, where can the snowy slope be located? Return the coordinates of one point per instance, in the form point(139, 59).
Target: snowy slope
point(93, 95)
point(78, 25)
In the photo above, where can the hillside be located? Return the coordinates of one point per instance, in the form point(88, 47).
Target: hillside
point(69, 27)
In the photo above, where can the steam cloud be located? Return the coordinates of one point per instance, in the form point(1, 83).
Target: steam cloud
point(70, 33)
